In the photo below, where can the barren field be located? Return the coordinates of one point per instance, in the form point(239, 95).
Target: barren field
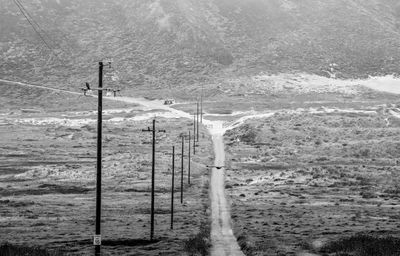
point(290, 91)
point(309, 171)
point(47, 182)
point(301, 180)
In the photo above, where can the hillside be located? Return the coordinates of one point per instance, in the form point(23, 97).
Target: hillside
point(173, 43)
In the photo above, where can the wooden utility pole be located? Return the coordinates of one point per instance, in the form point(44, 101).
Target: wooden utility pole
point(201, 105)
point(153, 162)
point(189, 160)
point(87, 89)
point(194, 134)
point(97, 237)
point(182, 155)
point(197, 128)
point(172, 187)
point(153, 131)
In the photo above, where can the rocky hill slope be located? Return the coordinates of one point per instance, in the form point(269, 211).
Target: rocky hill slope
point(173, 43)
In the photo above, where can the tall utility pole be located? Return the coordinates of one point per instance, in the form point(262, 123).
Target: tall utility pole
point(189, 138)
point(183, 144)
point(194, 134)
point(100, 89)
point(172, 187)
point(152, 176)
point(153, 162)
point(201, 105)
point(97, 237)
point(189, 160)
point(197, 128)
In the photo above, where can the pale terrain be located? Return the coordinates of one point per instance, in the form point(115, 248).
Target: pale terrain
point(301, 179)
point(318, 166)
point(47, 180)
point(311, 157)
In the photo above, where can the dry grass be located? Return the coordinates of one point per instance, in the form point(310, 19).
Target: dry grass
point(323, 192)
point(52, 205)
point(364, 245)
point(17, 250)
point(200, 243)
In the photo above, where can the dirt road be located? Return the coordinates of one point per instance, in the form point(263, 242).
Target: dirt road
point(223, 240)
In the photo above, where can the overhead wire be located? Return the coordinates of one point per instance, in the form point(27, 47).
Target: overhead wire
point(30, 17)
point(37, 29)
point(46, 39)
point(37, 24)
point(43, 35)
point(33, 26)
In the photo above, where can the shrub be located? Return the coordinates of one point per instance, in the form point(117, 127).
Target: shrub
point(368, 194)
point(7, 249)
point(200, 243)
point(249, 134)
point(245, 245)
point(364, 245)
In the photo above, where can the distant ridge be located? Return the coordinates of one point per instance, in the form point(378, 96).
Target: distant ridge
point(164, 43)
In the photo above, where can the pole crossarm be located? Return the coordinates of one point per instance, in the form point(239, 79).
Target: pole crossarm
point(100, 89)
point(150, 130)
point(114, 91)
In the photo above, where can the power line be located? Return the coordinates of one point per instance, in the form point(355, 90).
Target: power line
point(30, 16)
point(37, 29)
point(34, 28)
point(37, 24)
point(44, 31)
point(39, 86)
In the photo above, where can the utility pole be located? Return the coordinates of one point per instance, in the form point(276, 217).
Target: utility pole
point(172, 187)
point(189, 149)
point(100, 89)
point(153, 160)
point(194, 134)
point(97, 237)
point(153, 131)
point(189, 160)
point(197, 128)
point(183, 144)
point(201, 104)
